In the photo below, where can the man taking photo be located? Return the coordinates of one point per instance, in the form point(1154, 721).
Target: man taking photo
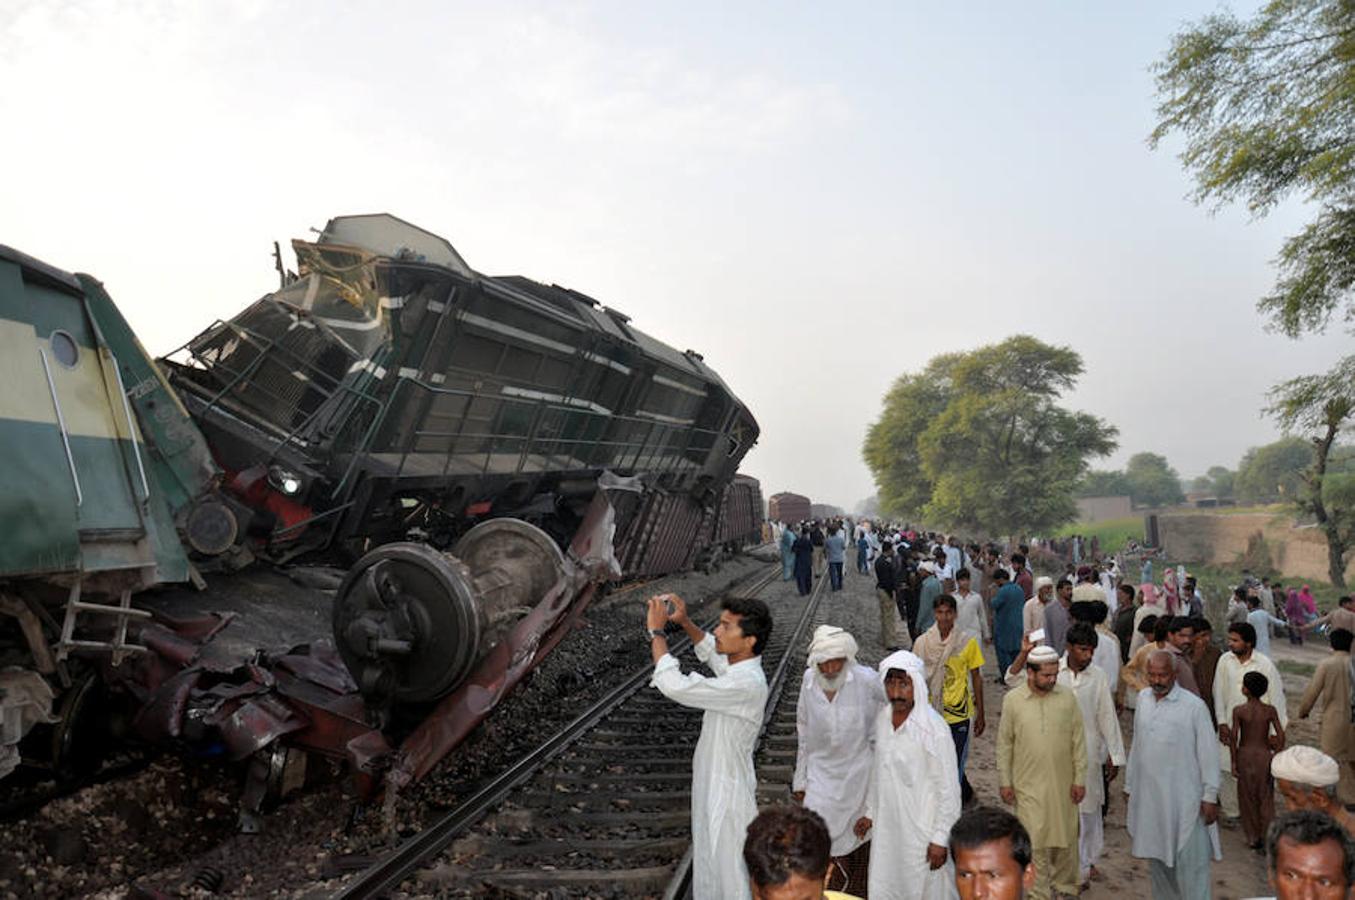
point(724, 798)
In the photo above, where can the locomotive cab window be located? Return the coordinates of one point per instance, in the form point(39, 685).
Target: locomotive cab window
point(64, 349)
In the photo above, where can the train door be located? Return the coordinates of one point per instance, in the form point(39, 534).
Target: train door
point(74, 460)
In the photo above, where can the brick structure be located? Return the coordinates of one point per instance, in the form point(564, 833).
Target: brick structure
point(1295, 552)
point(1091, 510)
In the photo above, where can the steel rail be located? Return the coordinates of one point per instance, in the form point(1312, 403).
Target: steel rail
point(680, 886)
point(388, 872)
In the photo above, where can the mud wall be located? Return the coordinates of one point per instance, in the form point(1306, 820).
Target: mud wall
point(1257, 541)
point(1091, 510)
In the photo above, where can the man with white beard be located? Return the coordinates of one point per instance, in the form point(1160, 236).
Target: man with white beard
point(835, 721)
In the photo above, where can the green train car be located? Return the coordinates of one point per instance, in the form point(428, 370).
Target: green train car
point(91, 508)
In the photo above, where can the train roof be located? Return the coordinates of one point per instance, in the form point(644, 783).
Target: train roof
point(393, 238)
point(41, 271)
point(615, 323)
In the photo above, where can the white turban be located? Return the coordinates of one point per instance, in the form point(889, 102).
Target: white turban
point(831, 642)
point(1042, 654)
point(932, 730)
point(1305, 765)
point(1043, 581)
point(910, 663)
point(926, 567)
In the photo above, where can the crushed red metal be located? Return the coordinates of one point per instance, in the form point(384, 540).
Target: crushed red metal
point(201, 683)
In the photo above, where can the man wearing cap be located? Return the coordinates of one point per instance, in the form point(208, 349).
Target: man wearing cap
point(1241, 659)
point(1104, 743)
point(1306, 778)
point(1330, 690)
point(1032, 614)
point(1086, 588)
point(835, 723)
point(914, 795)
point(1042, 768)
point(1173, 782)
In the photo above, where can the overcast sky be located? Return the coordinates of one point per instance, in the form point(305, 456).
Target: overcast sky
point(817, 197)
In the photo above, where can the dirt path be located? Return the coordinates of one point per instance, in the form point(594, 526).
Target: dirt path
point(1240, 874)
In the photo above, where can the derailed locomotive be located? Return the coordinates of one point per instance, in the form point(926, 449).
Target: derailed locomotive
point(475, 454)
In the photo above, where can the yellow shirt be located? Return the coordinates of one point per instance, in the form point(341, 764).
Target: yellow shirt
point(838, 895)
point(957, 695)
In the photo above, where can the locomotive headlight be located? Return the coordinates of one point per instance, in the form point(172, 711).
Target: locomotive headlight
point(287, 482)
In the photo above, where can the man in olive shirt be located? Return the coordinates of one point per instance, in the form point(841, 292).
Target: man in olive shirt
point(1042, 768)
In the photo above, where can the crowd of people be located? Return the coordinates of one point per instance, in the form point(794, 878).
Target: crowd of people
point(884, 807)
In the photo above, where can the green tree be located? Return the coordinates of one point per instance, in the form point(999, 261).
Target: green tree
point(1217, 481)
point(1266, 107)
point(1103, 483)
point(977, 440)
point(1152, 482)
point(1221, 482)
point(1322, 406)
point(1275, 471)
point(891, 450)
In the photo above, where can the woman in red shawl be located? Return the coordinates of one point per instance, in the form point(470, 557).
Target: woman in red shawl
point(1299, 609)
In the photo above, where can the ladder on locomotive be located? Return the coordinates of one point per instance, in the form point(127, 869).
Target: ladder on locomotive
point(130, 531)
point(122, 613)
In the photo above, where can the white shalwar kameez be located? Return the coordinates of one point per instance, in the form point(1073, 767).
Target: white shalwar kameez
point(1111, 592)
point(914, 798)
point(724, 787)
point(970, 616)
point(1106, 656)
point(834, 755)
point(1101, 728)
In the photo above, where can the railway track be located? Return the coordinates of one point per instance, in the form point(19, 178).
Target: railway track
point(602, 807)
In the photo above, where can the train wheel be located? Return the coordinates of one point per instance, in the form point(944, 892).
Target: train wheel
point(513, 562)
point(407, 623)
point(82, 733)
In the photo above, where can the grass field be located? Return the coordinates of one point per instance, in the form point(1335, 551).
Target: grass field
point(1273, 509)
point(1112, 534)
